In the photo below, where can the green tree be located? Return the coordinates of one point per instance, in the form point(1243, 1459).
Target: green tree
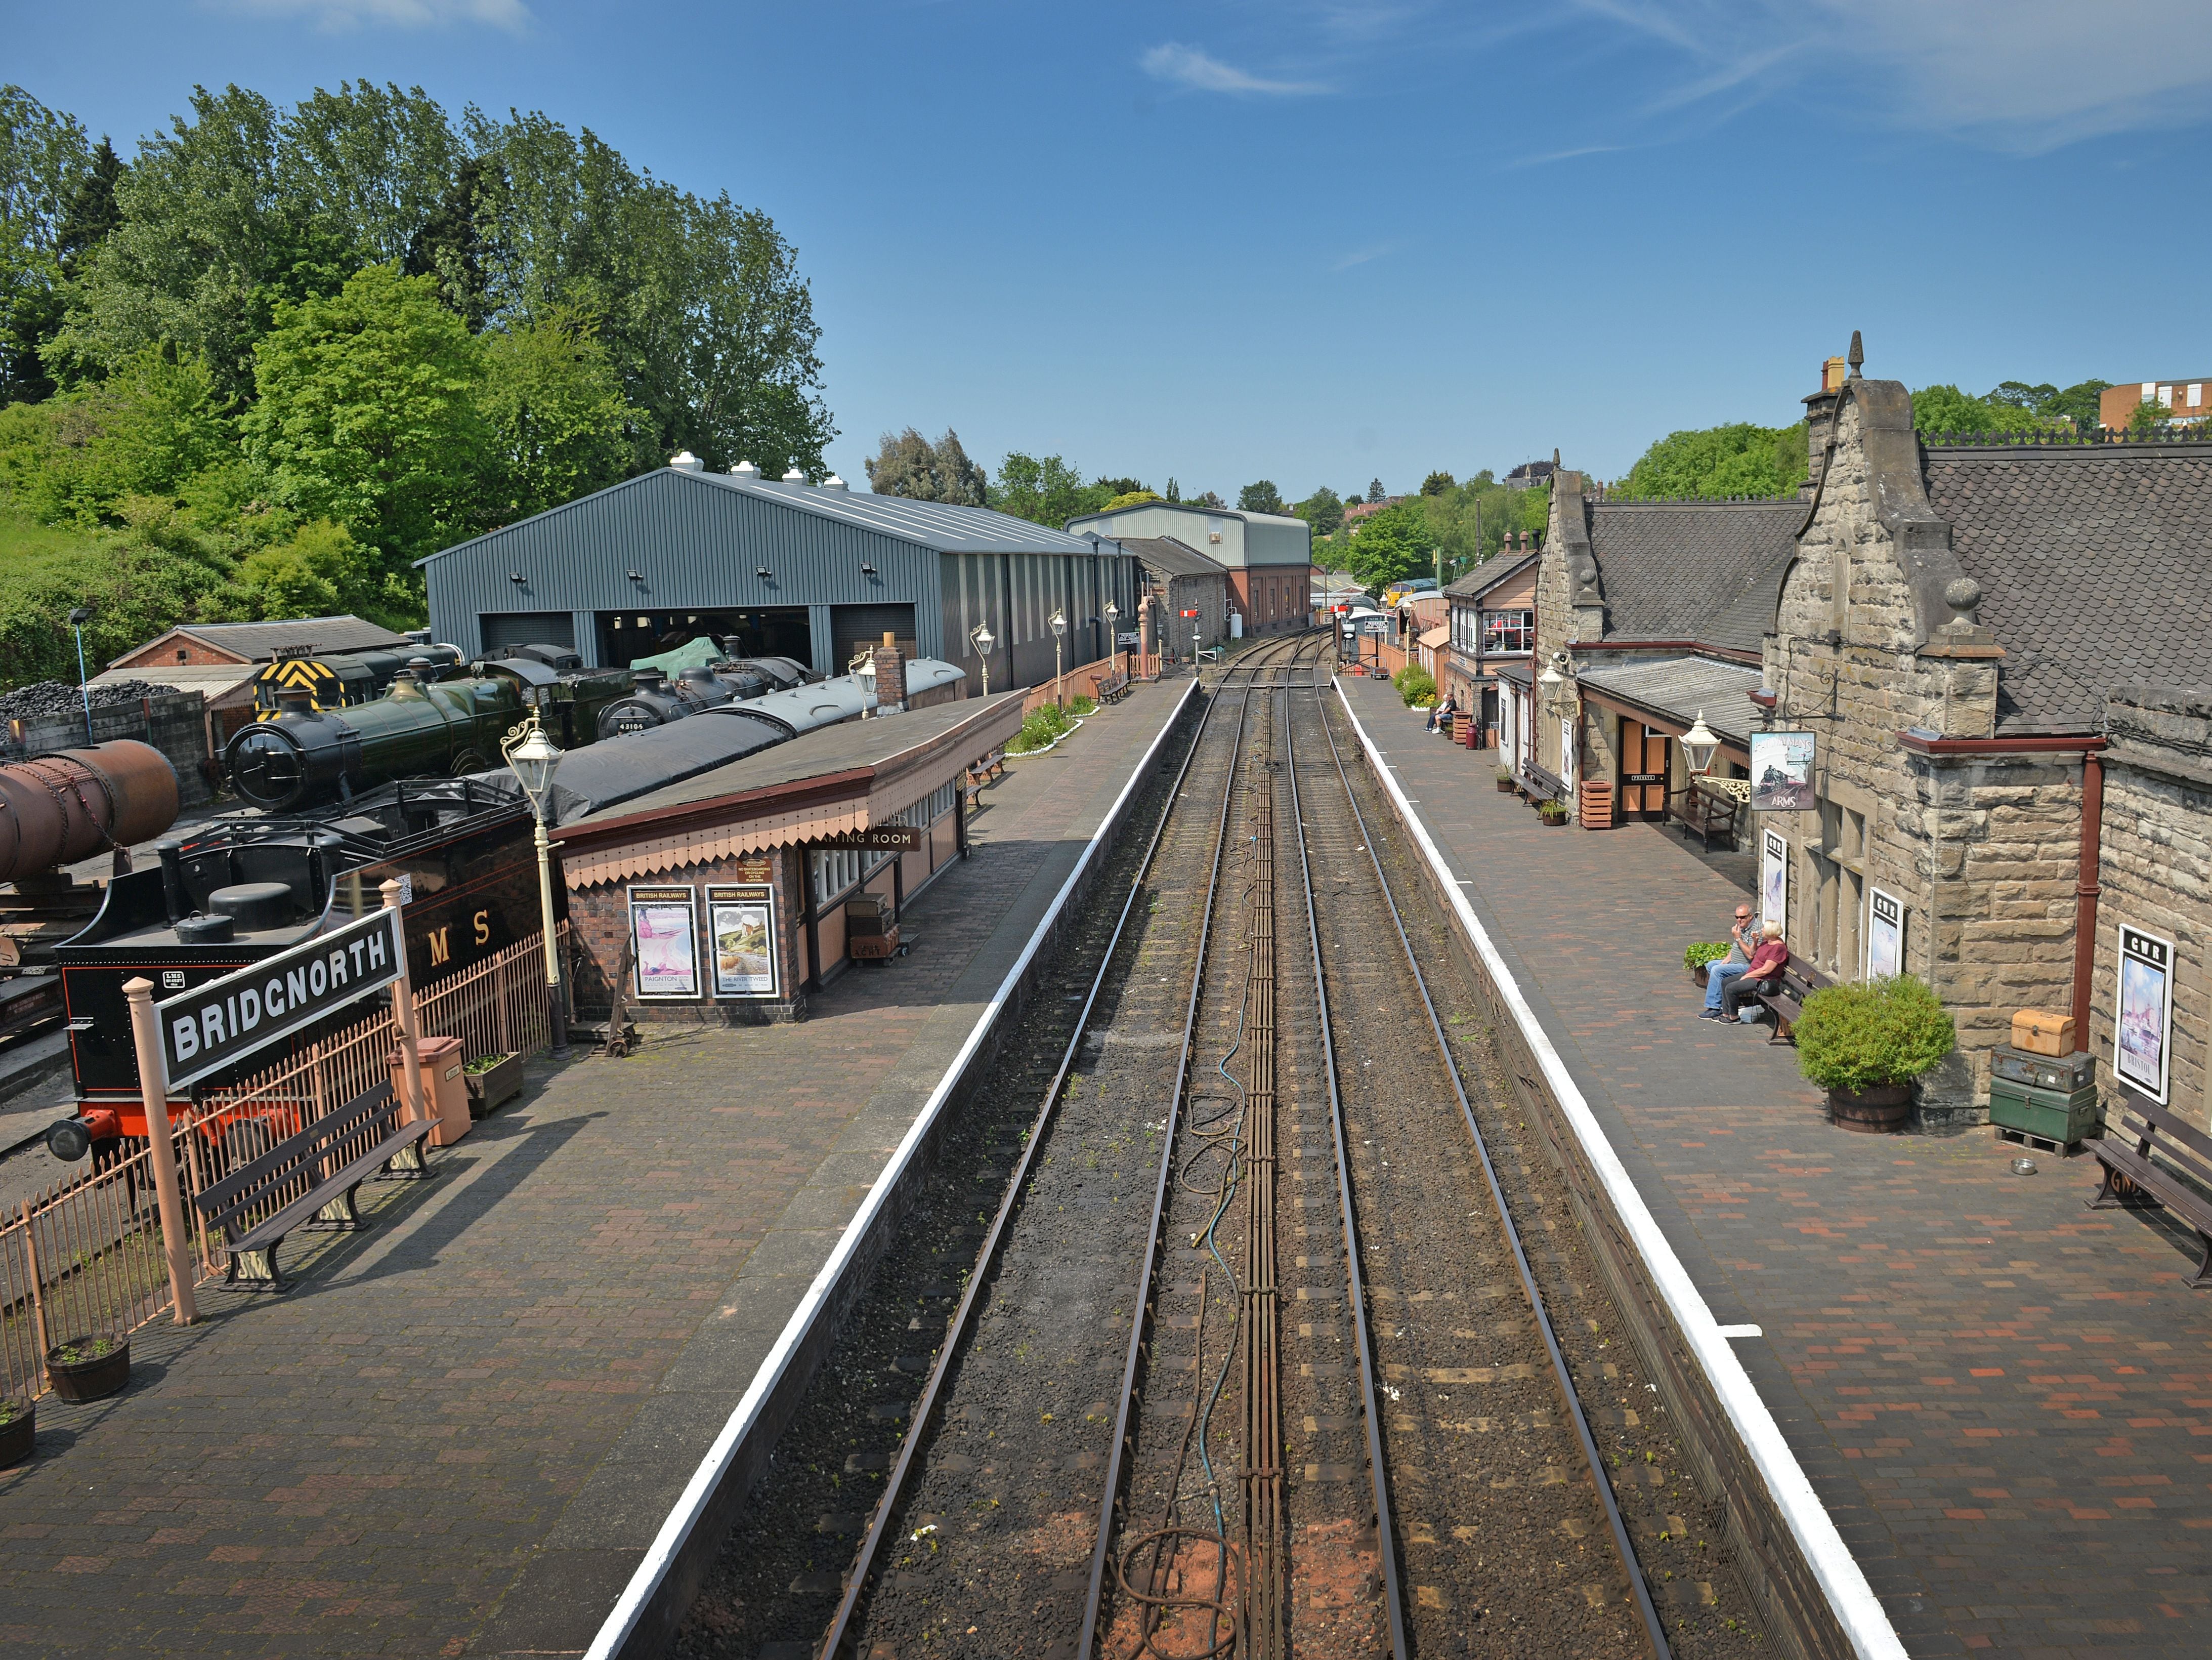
point(319, 571)
point(1124, 486)
point(2079, 404)
point(556, 423)
point(1944, 409)
point(1375, 489)
point(44, 162)
point(1260, 497)
point(1738, 460)
point(2148, 416)
point(368, 416)
point(907, 464)
point(1437, 483)
point(1045, 491)
point(151, 429)
point(1324, 510)
point(1392, 544)
point(1135, 498)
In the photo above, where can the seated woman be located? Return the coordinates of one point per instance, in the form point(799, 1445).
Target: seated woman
point(1762, 978)
point(1440, 716)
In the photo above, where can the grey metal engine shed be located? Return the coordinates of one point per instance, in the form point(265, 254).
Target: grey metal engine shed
point(789, 569)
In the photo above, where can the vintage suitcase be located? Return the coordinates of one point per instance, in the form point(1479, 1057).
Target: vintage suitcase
point(2044, 1034)
point(2068, 1073)
point(2061, 1115)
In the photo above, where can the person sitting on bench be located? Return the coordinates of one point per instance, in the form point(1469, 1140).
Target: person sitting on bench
point(1743, 940)
point(1440, 717)
point(1761, 977)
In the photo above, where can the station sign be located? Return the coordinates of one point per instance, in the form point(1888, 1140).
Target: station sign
point(877, 838)
point(222, 1022)
point(1190, 613)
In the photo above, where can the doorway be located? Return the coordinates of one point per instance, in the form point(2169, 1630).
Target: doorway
point(1643, 762)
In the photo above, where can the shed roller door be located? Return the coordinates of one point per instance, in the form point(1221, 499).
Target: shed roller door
point(854, 627)
point(528, 627)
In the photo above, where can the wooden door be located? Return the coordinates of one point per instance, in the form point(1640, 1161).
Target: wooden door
point(1643, 770)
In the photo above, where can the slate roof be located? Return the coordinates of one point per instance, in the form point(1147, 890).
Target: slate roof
point(1488, 574)
point(1170, 557)
point(1684, 686)
point(259, 642)
point(2095, 562)
point(1706, 571)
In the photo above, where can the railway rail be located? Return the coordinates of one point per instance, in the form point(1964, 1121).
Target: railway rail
point(1341, 1419)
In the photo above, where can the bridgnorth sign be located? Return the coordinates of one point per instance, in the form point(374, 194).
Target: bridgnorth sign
point(222, 1022)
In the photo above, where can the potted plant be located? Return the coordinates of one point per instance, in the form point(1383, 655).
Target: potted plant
point(1701, 954)
point(1866, 1044)
point(19, 1424)
point(1552, 812)
point(90, 1368)
point(492, 1080)
point(1504, 781)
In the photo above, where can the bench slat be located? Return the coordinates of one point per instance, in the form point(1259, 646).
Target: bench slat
point(264, 1233)
point(278, 1163)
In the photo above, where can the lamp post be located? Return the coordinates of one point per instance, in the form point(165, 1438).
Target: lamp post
point(983, 640)
point(1699, 744)
point(78, 618)
point(1059, 630)
point(533, 757)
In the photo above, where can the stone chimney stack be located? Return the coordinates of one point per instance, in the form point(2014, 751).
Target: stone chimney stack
point(891, 676)
point(1821, 421)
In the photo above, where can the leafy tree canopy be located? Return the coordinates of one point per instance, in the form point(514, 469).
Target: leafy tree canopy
point(1324, 510)
point(1392, 544)
point(1738, 460)
point(1437, 483)
point(1375, 489)
point(1135, 498)
point(1046, 491)
point(1260, 497)
point(907, 464)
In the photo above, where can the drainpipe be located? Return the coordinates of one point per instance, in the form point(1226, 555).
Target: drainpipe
point(2085, 890)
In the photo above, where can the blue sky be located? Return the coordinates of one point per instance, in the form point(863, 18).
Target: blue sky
point(1323, 242)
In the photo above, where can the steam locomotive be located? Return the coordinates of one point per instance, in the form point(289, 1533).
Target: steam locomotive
point(437, 717)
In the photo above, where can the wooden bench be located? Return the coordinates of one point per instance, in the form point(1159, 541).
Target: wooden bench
point(1109, 690)
point(2157, 1160)
point(1708, 814)
point(1540, 786)
point(239, 1204)
point(1800, 980)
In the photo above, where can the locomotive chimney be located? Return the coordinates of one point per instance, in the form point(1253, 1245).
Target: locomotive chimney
point(891, 676)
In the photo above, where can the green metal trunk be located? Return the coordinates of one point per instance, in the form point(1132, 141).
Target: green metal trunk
point(2060, 1115)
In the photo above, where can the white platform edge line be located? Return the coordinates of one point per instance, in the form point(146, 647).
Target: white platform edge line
point(1861, 1614)
point(615, 1629)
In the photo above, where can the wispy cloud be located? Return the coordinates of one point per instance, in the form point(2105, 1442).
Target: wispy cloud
point(1550, 156)
point(511, 16)
point(1360, 257)
point(2023, 75)
point(1200, 71)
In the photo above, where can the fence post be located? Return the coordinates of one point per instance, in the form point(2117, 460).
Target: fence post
point(169, 1198)
point(403, 1009)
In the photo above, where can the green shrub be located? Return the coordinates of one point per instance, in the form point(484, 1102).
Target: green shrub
point(1415, 684)
point(1552, 811)
point(1080, 707)
point(1699, 953)
point(10, 1409)
point(1864, 1036)
point(1040, 728)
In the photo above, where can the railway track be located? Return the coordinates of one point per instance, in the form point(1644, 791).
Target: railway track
point(1249, 1355)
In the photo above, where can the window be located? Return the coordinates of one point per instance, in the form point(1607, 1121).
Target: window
point(1508, 633)
point(2166, 396)
point(2197, 394)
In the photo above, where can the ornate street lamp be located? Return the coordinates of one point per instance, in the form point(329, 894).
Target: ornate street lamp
point(983, 640)
point(1058, 632)
point(78, 618)
point(534, 756)
point(1699, 746)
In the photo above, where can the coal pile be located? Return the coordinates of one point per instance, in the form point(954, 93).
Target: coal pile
point(50, 697)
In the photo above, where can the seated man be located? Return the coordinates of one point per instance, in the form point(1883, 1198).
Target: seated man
point(1760, 976)
point(1440, 715)
point(1743, 940)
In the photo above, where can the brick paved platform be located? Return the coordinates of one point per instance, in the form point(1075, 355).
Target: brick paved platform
point(2004, 1400)
point(460, 1432)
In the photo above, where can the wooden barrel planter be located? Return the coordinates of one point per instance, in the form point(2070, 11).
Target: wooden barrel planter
point(79, 1374)
point(17, 1431)
point(1881, 1110)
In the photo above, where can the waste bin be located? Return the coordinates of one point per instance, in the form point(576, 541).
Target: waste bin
point(445, 1087)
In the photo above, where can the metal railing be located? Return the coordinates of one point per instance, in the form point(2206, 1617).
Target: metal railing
point(84, 1259)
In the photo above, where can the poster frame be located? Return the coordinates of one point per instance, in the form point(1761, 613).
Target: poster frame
point(657, 896)
point(734, 894)
point(1774, 879)
point(1778, 749)
point(2154, 953)
point(1893, 925)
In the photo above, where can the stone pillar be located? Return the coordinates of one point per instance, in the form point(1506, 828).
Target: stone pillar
point(891, 676)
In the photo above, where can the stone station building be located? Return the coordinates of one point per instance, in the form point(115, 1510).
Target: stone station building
point(1999, 649)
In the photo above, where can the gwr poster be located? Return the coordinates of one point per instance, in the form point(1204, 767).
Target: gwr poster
point(664, 927)
point(1885, 934)
point(1781, 772)
point(741, 922)
point(1774, 881)
point(2144, 1031)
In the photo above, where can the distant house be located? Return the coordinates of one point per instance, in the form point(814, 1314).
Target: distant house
point(1529, 474)
point(1268, 557)
point(2182, 399)
point(1493, 624)
point(1356, 511)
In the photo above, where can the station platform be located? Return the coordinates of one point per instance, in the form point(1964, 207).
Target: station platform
point(2003, 1399)
point(462, 1430)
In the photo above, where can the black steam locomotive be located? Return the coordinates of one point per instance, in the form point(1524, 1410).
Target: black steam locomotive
point(440, 718)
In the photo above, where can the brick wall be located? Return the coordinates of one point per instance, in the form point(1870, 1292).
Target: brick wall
point(599, 919)
point(174, 723)
point(2155, 869)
